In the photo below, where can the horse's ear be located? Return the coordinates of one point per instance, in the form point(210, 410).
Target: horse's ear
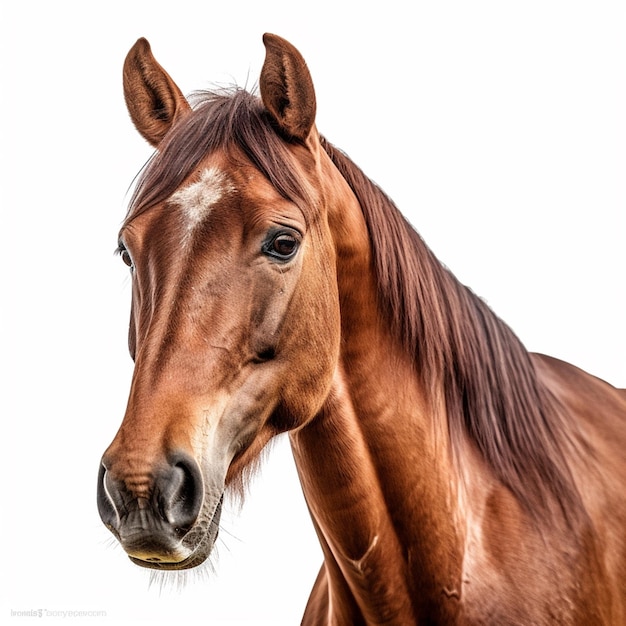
point(153, 99)
point(287, 88)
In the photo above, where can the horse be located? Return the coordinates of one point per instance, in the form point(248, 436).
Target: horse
point(452, 477)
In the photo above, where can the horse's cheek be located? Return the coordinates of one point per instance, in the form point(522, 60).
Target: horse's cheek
point(319, 343)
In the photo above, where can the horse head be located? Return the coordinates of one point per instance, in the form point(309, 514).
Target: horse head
point(235, 325)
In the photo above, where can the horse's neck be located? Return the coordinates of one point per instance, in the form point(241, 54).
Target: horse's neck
point(376, 471)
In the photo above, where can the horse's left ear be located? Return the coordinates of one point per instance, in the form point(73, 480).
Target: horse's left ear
point(287, 88)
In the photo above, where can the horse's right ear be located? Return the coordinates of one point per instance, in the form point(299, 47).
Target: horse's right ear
point(153, 99)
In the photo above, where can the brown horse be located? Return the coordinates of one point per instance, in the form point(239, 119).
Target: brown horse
point(452, 477)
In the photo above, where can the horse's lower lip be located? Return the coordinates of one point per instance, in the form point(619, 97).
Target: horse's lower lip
point(199, 554)
point(192, 561)
point(197, 557)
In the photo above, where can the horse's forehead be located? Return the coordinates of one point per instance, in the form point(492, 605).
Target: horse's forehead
point(197, 199)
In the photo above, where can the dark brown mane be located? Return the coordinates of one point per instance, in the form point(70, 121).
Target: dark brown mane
point(492, 391)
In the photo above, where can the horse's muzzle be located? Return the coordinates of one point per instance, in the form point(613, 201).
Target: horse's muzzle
point(153, 524)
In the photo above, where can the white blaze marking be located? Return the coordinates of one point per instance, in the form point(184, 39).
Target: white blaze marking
point(197, 199)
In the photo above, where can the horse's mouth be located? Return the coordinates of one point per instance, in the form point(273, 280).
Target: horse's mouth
point(197, 558)
point(198, 543)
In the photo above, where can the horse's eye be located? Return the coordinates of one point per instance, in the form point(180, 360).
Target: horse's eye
point(123, 252)
point(282, 246)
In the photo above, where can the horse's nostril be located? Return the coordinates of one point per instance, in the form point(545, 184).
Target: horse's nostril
point(267, 354)
point(180, 493)
point(106, 505)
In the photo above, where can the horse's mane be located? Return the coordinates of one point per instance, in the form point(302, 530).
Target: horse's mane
point(492, 393)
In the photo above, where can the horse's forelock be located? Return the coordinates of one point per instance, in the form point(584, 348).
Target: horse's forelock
point(219, 122)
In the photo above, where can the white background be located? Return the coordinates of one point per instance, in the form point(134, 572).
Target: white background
point(499, 129)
